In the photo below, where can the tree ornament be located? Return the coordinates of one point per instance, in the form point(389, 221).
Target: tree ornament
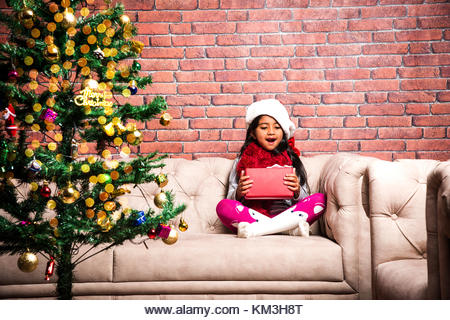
point(50, 268)
point(26, 17)
point(136, 65)
point(68, 20)
point(99, 54)
point(9, 114)
point(74, 149)
point(48, 115)
point(140, 219)
point(124, 19)
point(163, 230)
point(135, 137)
point(45, 190)
point(69, 194)
point(132, 87)
point(13, 75)
point(182, 226)
point(161, 180)
point(152, 233)
point(160, 199)
point(137, 46)
point(34, 167)
point(90, 83)
point(165, 119)
point(51, 53)
point(28, 262)
point(172, 237)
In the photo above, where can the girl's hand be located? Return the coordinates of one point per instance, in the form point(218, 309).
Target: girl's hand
point(244, 186)
point(292, 182)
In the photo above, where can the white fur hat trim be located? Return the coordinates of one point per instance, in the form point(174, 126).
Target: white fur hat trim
point(273, 108)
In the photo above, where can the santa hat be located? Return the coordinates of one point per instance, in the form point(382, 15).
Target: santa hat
point(10, 111)
point(273, 108)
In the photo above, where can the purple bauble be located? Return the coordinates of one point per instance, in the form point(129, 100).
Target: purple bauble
point(13, 75)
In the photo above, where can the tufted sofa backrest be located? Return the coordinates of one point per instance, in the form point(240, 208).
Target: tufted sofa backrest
point(397, 197)
point(201, 184)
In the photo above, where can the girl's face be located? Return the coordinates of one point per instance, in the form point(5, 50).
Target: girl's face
point(268, 133)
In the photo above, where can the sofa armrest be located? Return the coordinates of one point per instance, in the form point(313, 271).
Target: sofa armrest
point(438, 231)
point(344, 181)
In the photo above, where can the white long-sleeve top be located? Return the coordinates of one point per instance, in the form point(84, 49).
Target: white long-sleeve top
point(277, 205)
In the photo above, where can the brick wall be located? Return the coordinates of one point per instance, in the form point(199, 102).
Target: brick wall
point(362, 76)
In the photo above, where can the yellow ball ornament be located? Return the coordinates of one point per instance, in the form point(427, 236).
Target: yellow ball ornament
point(160, 199)
point(124, 19)
point(182, 226)
point(165, 119)
point(68, 20)
point(51, 53)
point(135, 138)
point(69, 194)
point(28, 262)
point(172, 238)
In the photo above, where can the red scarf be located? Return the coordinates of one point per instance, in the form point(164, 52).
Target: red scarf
point(255, 156)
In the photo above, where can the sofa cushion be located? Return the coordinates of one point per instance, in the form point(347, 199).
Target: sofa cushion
point(402, 279)
point(226, 257)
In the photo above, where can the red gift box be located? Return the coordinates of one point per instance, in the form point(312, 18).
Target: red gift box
point(268, 183)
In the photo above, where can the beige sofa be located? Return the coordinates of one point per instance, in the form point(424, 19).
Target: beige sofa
point(208, 262)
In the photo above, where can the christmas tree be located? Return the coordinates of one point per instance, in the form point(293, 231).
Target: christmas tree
point(69, 69)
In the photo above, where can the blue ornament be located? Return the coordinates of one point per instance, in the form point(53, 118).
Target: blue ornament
point(140, 219)
point(133, 90)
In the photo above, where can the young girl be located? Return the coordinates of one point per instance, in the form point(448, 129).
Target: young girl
point(269, 142)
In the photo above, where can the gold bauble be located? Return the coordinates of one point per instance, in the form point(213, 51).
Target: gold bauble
point(165, 119)
point(90, 83)
point(27, 262)
point(173, 236)
point(160, 199)
point(69, 194)
point(137, 46)
point(109, 129)
point(161, 180)
point(124, 19)
point(182, 226)
point(25, 14)
point(51, 53)
point(69, 20)
point(134, 138)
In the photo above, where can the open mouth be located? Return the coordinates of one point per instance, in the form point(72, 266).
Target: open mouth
point(271, 140)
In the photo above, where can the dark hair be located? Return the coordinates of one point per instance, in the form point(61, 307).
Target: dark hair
point(284, 145)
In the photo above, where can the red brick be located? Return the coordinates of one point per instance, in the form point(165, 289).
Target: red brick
point(434, 22)
point(162, 76)
point(272, 39)
point(272, 52)
point(348, 146)
point(444, 96)
point(427, 60)
point(417, 109)
point(434, 133)
point(399, 133)
point(304, 75)
point(382, 110)
point(193, 40)
point(235, 4)
point(407, 23)
point(380, 61)
point(287, 3)
point(204, 15)
point(342, 86)
point(324, 26)
point(382, 145)
point(291, 26)
point(194, 76)
point(193, 112)
point(400, 48)
point(263, 63)
point(404, 155)
point(297, 98)
point(429, 10)
point(350, 37)
point(301, 134)
point(177, 135)
point(349, 13)
point(226, 52)
point(175, 4)
point(156, 53)
point(264, 87)
point(160, 88)
point(303, 111)
point(318, 146)
point(420, 47)
point(309, 86)
point(161, 41)
point(384, 73)
point(387, 156)
point(180, 124)
point(272, 14)
point(196, 100)
point(234, 146)
point(383, 11)
point(376, 97)
point(225, 112)
point(403, 121)
point(346, 62)
point(347, 74)
point(440, 156)
point(232, 99)
point(439, 47)
point(418, 72)
point(310, 38)
point(442, 108)
point(354, 134)
point(370, 24)
point(311, 63)
point(202, 64)
point(233, 134)
point(343, 98)
point(208, 4)
point(152, 28)
point(424, 84)
point(354, 122)
point(319, 134)
point(338, 110)
point(387, 36)
point(205, 146)
point(193, 88)
point(214, 27)
point(377, 85)
point(305, 51)
point(445, 72)
point(159, 16)
point(428, 144)
point(163, 147)
point(235, 64)
point(211, 123)
point(328, 122)
point(231, 88)
point(418, 35)
point(347, 50)
point(237, 40)
point(271, 75)
point(209, 135)
point(182, 28)
point(238, 15)
point(236, 75)
point(257, 27)
point(315, 14)
point(418, 96)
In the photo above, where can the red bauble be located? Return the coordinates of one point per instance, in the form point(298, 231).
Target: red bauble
point(45, 191)
point(152, 234)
